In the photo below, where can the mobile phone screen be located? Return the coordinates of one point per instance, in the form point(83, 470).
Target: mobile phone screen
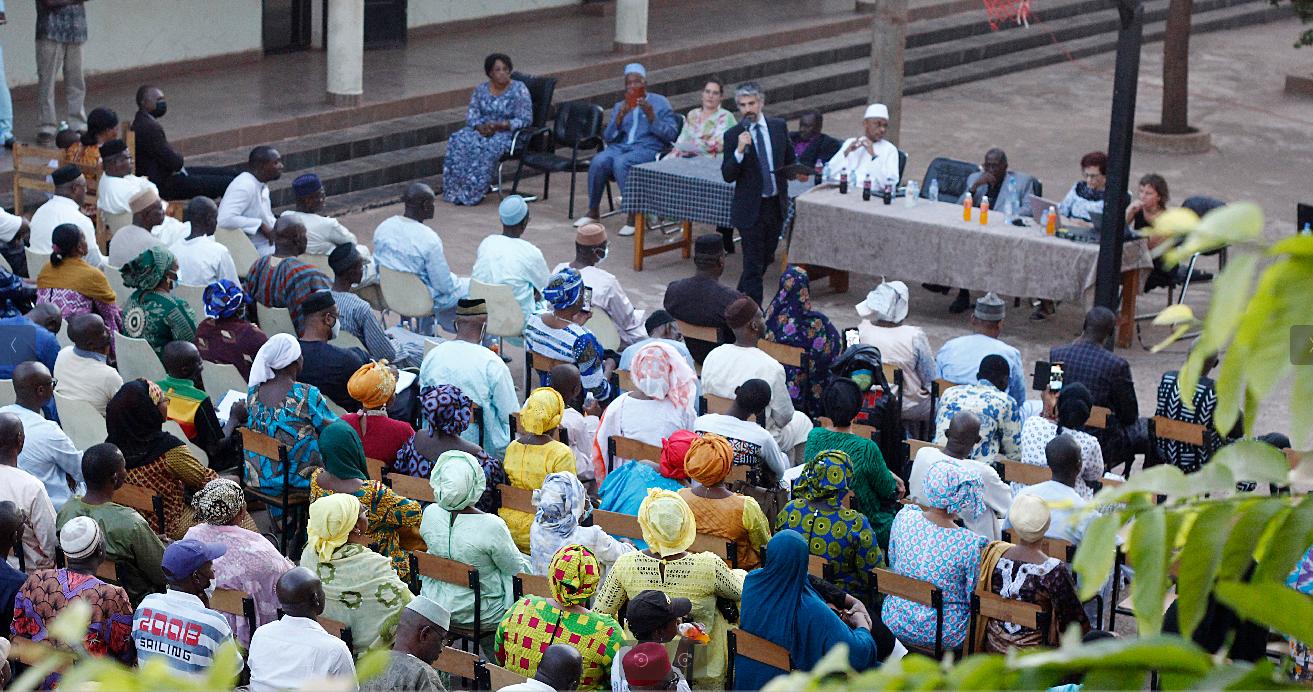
point(851, 337)
point(588, 299)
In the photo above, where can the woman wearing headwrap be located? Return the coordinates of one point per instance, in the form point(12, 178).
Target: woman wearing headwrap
point(780, 605)
point(291, 412)
point(152, 313)
point(928, 545)
point(534, 454)
point(225, 335)
point(374, 385)
point(498, 108)
point(361, 590)
point(447, 412)
point(841, 535)
point(558, 334)
point(252, 563)
point(1064, 413)
point(662, 402)
point(669, 529)
point(791, 320)
point(71, 284)
point(393, 519)
point(626, 487)
point(453, 528)
point(562, 502)
point(719, 510)
point(535, 622)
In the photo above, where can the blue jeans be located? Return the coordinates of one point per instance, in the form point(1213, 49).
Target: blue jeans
point(6, 104)
point(614, 162)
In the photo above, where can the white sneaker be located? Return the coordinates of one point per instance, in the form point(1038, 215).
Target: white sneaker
point(626, 231)
point(583, 220)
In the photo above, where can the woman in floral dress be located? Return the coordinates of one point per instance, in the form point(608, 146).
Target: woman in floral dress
point(498, 108)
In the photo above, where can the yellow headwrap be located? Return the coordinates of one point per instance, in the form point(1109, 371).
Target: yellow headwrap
point(331, 519)
point(542, 411)
point(667, 522)
point(709, 459)
point(372, 385)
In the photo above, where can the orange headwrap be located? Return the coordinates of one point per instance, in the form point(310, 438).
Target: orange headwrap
point(709, 459)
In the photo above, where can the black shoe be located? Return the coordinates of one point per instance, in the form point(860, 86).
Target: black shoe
point(961, 303)
point(936, 288)
point(728, 239)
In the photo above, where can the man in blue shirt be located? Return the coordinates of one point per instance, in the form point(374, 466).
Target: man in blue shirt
point(29, 337)
point(959, 359)
point(641, 127)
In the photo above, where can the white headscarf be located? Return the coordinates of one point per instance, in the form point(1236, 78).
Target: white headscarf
point(280, 351)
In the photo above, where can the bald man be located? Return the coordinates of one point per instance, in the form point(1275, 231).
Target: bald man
point(561, 668)
point(404, 243)
point(29, 495)
point(29, 337)
point(49, 454)
point(580, 423)
point(1063, 456)
point(192, 408)
point(11, 579)
point(420, 634)
point(962, 435)
point(83, 370)
point(281, 280)
point(295, 649)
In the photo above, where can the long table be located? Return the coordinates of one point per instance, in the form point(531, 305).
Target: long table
point(931, 242)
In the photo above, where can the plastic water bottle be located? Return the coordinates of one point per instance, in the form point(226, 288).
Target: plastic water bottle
point(934, 190)
point(913, 190)
point(1009, 194)
point(1307, 229)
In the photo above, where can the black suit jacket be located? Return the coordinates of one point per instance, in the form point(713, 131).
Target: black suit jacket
point(746, 176)
point(823, 147)
point(155, 158)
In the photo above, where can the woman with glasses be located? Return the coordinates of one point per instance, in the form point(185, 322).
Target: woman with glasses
point(1086, 195)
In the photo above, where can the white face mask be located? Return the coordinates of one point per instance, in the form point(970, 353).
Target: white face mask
point(605, 252)
point(654, 387)
point(337, 327)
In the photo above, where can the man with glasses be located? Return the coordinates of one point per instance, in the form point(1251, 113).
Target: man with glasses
point(46, 452)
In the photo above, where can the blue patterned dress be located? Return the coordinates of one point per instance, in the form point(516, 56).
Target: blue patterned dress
point(471, 157)
point(947, 558)
point(296, 423)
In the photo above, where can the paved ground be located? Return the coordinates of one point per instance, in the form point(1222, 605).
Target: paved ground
point(1046, 119)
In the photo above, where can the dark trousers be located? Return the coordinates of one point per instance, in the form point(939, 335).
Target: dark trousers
point(759, 243)
point(205, 181)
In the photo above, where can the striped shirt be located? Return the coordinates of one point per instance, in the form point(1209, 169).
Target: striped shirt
point(284, 282)
point(177, 627)
point(573, 344)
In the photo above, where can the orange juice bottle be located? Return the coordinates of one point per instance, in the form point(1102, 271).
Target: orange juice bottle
point(984, 210)
point(1052, 226)
point(966, 207)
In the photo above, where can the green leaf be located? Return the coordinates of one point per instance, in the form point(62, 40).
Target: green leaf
point(1200, 560)
point(1254, 516)
point(1148, 552)
point(1231, 291)
point(1164, 479)
point(1230, 389)
point(1115, 679)
point(1211, 478)
point(1301, 406)
point(1251, 460)
point(1275, 605)
point(1295, 245)
point(1292, 539)
point(1096, 553)
point(1161, 652)
point(1233, 224)
point(978, 673)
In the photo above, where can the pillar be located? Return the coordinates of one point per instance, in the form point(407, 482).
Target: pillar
point(346, 52)
point(631, 26)
point(888, 43)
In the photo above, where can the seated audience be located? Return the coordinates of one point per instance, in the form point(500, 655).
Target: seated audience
point(184, 606)
point(1108, 377)
point(561, 668)
point(294, 651)
point(65, 207)
point(876, 490)
point(225, 335)
point(590, 249)
point(958, 360)
point(393, 519)
point(1025, 573)
point(280, 279)
point(668, 529)
point(482, 541)
point(322, 233)
point(73, 285)
point(403, 243)
point(579, 426)
point(903, 346)
point(701, 299)
point(446, 413)
point(753, 446)
point(641, 126)
point(202, 260)
point(963, 435)
point(130, 543)
point(361, 589)
point(718, 510)
point(117, 186)
point(193, 410)
point(842, 536)
point(497, 109)
point(572, 576)
point(1187, 457)
point(136, 237)
point(478, 372)
point(33, 335)
point(152, 313)
point(1086, 195)
point(252, 563)
point(659, 326)
point(626, 486)
point(14, 234)
point(374, 385)
point(561, 503)
point(160, 162)
point(730, 365)
point(534, 454)
point(809, 143)
point(397, 345)
point(508, 259)
point(781, 606)
point(999, 416)
point(47, 452)
point(327, 366)
point(705, 126)
point(652, 617)
point(662, 402)
point(925, 544)
point(1064, 460)
point(245, 204)
point(11, 579)
point(558, 334)
point(82, 371)
point(1064, 413)
point(102, 126)
point(28, 494)
point(871, 155)
point(792, 321)
point(421, 637)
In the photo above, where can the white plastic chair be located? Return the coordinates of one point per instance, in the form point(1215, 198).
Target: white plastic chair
point(36, 261)
point(7, 395)
point(137, 359)
point(346, 339)
point(121, 290)
point(429, 345)
point(193, 296)
point(240, 246)
point(5, 263)
point(405, 294)
point(604, 329)
point(81, 421)
point(113, 222)
point(62, 335)
point(174, 427)
point(505, 318)
point(320, 262)
point(220, 378)
point(275, 320)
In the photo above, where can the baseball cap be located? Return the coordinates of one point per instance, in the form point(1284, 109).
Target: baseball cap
point(651, 609)
point(183, 558)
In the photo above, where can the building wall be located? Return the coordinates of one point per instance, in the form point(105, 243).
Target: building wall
point(426, 12)
point(124, 34)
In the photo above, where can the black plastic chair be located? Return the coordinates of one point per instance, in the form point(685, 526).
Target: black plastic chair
point(952, 176)
point(541, 91)
point(578, 125)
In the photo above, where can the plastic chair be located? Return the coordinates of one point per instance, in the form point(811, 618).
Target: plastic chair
point(240, 246)
point(274, 320)
point(541, 91)
point(36, 261)
point(7, 395)
point(81, 421)
point(137, 359)
point(115, 278)
point(348, 340)
point(405, 293)
point(113, 222)
point(62, 335)
point(220, 378)
point(505, 318)
point(578, 125)
point(604, 329)
point(194, 297)
point(952, 176)
point(320, 262)
point(175, 428)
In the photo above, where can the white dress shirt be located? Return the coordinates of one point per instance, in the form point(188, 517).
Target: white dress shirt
point(529, 685)
point(730, 365)
point(61, 210)
point(610, 296)
point(581, 430)
point(202, 261)
point(752, 128)
point(29, 495)
point(882, 167)
point(128, 242)
point(322, 233)
point(245, 205)
point(48, 454)
point(287, 653)
point(997, 494)
point(114, 193)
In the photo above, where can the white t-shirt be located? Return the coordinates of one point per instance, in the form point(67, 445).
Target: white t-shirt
point(1064, 502)
point(748, 440)
point(287, 653)
point(997, 494)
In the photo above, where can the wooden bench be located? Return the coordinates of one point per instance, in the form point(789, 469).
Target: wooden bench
point(1098, 417)
point(990, 606)
point(1026, 474)
point(716, 404)
point(626, 448)
point(518, 499)
point(617, 524)
point(411, 487)
point(790, 356)
point(709, 335)
point(457, 574)
point(1053, 547)
point(149, 504)
point(525, 583)
point(719, 546)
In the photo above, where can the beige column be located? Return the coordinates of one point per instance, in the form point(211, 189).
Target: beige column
point(346, 52)
point(888, 43)
point(631, 26)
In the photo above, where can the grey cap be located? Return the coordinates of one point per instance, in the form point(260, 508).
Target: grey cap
point(990, 308)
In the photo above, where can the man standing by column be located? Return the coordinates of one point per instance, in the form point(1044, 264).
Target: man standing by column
point(61, 29)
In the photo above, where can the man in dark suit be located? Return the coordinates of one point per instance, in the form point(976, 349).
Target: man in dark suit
point(1108, 377)
point(756, 151)
point(809, 143)
point(160, 162)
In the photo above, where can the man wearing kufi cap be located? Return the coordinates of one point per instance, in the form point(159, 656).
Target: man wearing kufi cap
point(508, 259)
point(590, 249)
point(642, 125)
point(870, 155)
point(323, 233)
point(420, 633)
point(65, 207)
point(136, 237)
point(959, 359)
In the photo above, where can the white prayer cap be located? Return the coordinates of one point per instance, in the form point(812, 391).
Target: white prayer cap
point(1030, 517)
point(876, 110)
point(80, 538)
point(885, 303)
point(431, 610)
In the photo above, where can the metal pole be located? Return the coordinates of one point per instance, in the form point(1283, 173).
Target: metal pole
point(1121, 130)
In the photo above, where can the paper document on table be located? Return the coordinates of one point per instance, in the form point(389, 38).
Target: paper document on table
point(225, 405)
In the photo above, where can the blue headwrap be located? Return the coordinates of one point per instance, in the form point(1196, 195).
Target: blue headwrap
point(223, 299)
point(12, 294)
point(564, 288)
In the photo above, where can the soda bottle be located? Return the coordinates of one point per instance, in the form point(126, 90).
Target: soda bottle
point(820, 171)
point(984, 210)
point(1051, 224)
point(888, 194)
point(966, 207)
point(843, 181)
point(866, 189)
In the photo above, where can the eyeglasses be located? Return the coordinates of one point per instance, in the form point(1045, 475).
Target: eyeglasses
point(1091, 176)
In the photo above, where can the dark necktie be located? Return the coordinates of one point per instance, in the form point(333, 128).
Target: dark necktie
point(767, 179)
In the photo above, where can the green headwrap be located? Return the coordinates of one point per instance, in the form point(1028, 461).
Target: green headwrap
point(148, 269)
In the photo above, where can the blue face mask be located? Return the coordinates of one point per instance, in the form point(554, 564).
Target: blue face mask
point(863, 378)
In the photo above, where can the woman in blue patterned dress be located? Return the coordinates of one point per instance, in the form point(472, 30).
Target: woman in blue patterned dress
point(291, 412)
point(498, 108)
